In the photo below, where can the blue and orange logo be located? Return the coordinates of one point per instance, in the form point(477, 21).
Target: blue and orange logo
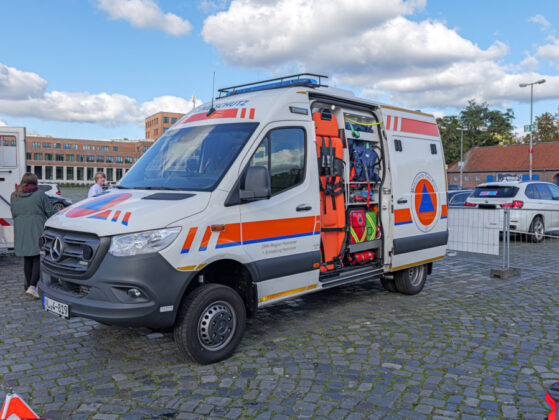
point(98, 205)
point(425, 206)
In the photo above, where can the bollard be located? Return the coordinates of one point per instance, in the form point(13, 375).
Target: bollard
point(505, 272)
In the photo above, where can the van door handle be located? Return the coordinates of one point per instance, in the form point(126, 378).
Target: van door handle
point(402, 201)
point(304, 207)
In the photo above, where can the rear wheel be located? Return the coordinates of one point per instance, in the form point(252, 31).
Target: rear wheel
point(537, 230)
point(210, 323)
point(58, 206)
point(411, 280)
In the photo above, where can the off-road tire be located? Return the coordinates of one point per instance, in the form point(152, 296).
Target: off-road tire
point(410, 281)
point(537, 230)
point(388, 284)
point(210, 323)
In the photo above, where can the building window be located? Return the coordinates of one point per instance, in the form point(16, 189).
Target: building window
point(69, 158)
point(119, 159)
point(118, 174)
point(86, 147)
point(109, 159)
point(48, 172)
point(155, 131)
point(28, 168)
point(59, 157)
point(115, 148)
point(67, 146)
point(105, 148)
point(165, 129)
point(79, 174)
point(36, 144)
point(90, 174)
point(37, 156)
point(90, 158)
point(79, 158)
point(60, 172)
point(455, 178)
point(477, 178)
point(100, 158)
point(173, 120)
point(146, 148)
point(165, 120)
point(101, 170)
point(75, 146)
point(127, 159)
point(70, 173)
point(466, 178)
point(57, 145)
point(28, 155)
point(38, 171)
point(109, 174)
point(48, 156)
point(46, 146)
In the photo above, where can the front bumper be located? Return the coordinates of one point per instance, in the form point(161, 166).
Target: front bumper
point(104, 296)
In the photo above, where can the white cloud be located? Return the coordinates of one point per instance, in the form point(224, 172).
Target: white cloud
point(2, 123)
point(372, 47)
point(145, 14)
point(542, 21)
point(549, 51)
point(103, 108)
point(17, 84)
point(529, 63)
point(211, 6)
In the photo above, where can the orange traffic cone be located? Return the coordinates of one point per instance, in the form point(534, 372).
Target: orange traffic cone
point(15, 408)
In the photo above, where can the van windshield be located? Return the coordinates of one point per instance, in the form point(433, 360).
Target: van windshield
point(191, 158)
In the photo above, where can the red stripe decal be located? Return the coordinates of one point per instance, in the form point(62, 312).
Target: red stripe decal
point(222, 113)
point(388, 122)
point(419, 127)
point(189, 239)
point(395, 124)
point(444, 211)
point(243, 112)
point(116, 216)
point(251, 113)
point(3, 222)
point(206, 239)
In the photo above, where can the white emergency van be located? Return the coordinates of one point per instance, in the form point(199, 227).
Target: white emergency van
point(12, 168)
point(274, 190)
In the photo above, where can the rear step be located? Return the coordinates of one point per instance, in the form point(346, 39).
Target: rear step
point(349, 275)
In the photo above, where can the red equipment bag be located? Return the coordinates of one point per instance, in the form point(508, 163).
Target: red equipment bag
point(362, 257)
point(358, 226)
point(552, 398)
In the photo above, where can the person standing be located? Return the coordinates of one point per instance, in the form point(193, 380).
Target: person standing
point(30, 209)
point(97, 188)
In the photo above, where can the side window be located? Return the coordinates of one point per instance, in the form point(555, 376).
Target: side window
point(545, 194)
point(283, 152)
point(531, 191)
point(554, 192)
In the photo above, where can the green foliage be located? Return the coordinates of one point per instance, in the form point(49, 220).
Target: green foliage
point(484, 127)
point(548, 128)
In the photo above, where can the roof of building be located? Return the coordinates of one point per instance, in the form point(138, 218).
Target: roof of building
point(510, 158)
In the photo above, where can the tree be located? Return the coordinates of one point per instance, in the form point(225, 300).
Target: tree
point(484, 127)
point(548, 128)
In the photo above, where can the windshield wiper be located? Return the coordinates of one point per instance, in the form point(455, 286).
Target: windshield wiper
point(121, 187)
point(157, 188)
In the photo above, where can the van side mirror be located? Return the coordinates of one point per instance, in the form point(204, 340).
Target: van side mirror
point(257, 184)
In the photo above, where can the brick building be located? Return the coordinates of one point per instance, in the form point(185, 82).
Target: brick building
point(157, 124)
point(483, 164)
point(77, 161)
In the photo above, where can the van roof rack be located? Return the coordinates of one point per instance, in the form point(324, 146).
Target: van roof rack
point(301, 79)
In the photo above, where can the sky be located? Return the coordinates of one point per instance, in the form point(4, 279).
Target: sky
point(94, 69)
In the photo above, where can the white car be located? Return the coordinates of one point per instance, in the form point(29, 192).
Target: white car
point(534, 205)
point(50, 188)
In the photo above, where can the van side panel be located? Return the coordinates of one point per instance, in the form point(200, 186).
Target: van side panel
point(420, 230)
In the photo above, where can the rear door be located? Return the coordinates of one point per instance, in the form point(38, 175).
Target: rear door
point(12, 168)
point(419, 188)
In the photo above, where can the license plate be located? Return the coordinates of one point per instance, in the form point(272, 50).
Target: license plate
point(55, 307)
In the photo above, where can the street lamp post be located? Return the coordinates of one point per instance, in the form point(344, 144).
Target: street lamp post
point(461, 150)
point(539, 82)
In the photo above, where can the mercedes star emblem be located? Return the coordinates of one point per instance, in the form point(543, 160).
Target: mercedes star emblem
point(56, 250)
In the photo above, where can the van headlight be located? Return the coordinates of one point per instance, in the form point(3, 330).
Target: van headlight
point(143, 242)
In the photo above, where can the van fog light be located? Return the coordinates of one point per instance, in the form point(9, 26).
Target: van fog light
point(134, 293)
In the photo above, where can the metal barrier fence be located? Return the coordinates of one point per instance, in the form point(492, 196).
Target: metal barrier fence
point(507, 238)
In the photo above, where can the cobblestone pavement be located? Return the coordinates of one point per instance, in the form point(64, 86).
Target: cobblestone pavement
point(467, 347)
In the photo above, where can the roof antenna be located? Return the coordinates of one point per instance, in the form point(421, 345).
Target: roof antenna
point(212, 109)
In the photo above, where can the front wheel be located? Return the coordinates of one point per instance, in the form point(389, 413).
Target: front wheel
point(210, 323)
point(58, 206)
point(411, 280)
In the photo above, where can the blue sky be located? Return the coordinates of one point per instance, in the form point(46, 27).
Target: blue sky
point(94, 69)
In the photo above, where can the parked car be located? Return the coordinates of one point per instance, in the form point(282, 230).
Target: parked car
point(534, 205)
point(453, 187)
point(50, 188)
point(58, 202)
point(458, 198)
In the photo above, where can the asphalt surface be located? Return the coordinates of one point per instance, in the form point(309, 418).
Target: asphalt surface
point(467, 347)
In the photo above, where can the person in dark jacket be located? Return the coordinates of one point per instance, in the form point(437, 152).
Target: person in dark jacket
point(30, 209)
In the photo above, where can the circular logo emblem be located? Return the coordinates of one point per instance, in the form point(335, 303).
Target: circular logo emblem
point(56, 250)
point(98, 204)
point(425, 210)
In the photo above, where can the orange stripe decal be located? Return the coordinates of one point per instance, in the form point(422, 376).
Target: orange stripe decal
point(395, 124)
point(243, 112)
point(272, 230)
point(251, 113)
point(388, 119)
point(444, 211)
point(189, 239)
point(205, 239)
point(402, 217)
point(230, 236)
point(419, 127)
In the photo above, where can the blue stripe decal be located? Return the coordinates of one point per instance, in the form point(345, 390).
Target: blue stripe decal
point(403, 223)
point(228, 245)
point(443, 217)
point(277, 238)
point(185, 251)
point(125, 223)
point(203, 248)
point(97, 217)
